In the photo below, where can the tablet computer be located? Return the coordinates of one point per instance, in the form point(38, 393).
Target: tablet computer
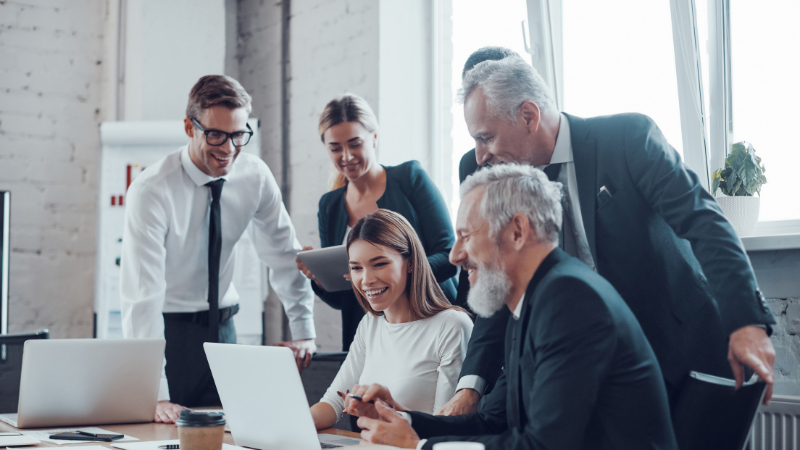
point(328, 266)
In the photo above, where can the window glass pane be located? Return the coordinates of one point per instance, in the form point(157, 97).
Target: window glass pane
point(619, 57)
point(765, 39)
point(476, 24)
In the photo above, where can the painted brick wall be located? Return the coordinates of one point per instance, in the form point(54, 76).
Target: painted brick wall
point(334, 49)
point(51, 58)
point(777, 272)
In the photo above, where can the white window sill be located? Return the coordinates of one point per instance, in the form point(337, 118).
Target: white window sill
point(776, 235)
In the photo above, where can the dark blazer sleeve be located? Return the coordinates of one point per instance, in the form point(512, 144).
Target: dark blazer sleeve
point(485, 351)
point(573, 353)
point(490, 419)
point(678, 197)
point(335, 300)
point(434, 221)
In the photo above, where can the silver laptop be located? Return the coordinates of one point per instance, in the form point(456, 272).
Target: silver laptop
point(68, 382)
point(263, 398)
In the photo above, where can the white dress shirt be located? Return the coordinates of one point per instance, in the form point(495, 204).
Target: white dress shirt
point(418, 361)
point(562, 154)
point(164, 262)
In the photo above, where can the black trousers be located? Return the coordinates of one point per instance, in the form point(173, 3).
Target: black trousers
point(188, 374)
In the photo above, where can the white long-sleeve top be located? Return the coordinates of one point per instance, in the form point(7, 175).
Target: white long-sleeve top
point(164, 262)
point(418, 361)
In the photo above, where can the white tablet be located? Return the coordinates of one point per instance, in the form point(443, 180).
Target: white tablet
point(328, 266)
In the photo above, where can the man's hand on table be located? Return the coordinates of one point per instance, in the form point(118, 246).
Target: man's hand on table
point(167, 412)
point(464, 402)
point(750, 346)
point(303, 350)
point(388, 429)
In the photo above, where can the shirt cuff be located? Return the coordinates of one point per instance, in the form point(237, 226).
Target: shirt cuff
point(421, 443)
point(302, 329)
point(472, 382)
point(163, 389)
point(405, 415)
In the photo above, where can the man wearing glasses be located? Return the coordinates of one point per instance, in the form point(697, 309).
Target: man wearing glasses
point(184, 216)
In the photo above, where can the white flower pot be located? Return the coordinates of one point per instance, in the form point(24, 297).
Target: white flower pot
point(742, 212)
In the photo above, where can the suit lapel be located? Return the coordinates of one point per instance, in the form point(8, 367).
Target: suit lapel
point(584, 151)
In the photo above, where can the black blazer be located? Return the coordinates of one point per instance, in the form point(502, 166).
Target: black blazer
point(663, 243)
point(411, 193)
point(578, 374)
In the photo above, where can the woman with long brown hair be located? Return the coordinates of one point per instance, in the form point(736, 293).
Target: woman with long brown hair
point(412, 340)
point(360, 185)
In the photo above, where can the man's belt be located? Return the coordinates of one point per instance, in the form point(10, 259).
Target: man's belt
point(201, 317)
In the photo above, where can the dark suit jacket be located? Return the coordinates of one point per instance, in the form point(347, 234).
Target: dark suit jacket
point(662, 242)
point(578, 374)
point(411, 193)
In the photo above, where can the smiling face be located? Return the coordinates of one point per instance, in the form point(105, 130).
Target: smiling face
point(380, 274)
point(480, 255)
point(497, 140)
point(351, 148)
point(215, 161)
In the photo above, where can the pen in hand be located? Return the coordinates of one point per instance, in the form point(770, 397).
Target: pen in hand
point(358, 397)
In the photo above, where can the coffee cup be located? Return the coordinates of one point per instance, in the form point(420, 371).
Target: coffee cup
point(201, 430)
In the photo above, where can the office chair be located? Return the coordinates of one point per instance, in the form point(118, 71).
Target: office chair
point(318, 377)
point(11, 346)
point(712, 414)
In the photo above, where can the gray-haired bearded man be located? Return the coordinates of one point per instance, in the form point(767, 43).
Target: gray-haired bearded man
point(578, 370)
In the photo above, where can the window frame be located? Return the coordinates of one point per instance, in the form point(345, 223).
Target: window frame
point(700, 154)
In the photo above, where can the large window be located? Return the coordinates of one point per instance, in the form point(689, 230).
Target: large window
point(618, 57)
point(765, 89)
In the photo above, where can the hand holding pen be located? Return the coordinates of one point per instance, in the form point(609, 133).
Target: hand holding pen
point(361, 401)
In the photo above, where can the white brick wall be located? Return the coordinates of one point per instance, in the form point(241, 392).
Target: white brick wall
point(51, 61)
point(334, 49)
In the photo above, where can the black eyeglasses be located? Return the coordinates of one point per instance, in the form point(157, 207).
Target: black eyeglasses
point(217, 138)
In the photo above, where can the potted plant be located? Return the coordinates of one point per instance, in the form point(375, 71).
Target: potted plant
point(739, 180)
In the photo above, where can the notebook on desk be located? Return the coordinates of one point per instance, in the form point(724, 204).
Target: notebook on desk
point(69, 382)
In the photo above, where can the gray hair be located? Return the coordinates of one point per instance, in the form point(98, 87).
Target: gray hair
point(507, 83)
point(518, 189)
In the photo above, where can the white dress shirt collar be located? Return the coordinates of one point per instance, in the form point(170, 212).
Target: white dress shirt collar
point(194, 172)
point(563, 150)
point(518, 309)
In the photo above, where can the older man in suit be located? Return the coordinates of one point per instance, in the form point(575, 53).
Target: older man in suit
point(578, 370)
point(635, 214)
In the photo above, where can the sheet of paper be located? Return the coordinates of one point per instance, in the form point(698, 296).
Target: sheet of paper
point(153, 445)
point(14, 439)
point(44, 435)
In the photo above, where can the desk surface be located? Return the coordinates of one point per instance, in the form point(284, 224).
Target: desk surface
point(147, 432)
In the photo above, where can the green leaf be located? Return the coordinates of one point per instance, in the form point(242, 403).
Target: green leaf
point(743, 173)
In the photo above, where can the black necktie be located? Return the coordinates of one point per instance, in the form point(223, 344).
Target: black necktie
point(214, 250)
point(552, 171)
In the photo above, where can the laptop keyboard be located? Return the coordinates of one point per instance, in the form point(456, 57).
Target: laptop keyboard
point(323, 445)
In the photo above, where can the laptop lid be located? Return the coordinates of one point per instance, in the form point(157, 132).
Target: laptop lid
point(68, 382)
point(262, 396)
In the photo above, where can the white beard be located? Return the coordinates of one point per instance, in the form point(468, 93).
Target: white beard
point(490, 291)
